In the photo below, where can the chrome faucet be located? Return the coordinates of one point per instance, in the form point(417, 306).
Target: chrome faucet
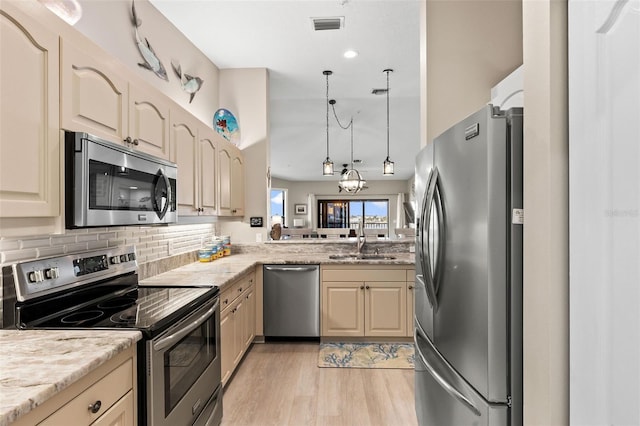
point(361, 239)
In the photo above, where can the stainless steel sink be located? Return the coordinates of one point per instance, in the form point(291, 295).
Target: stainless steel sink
point(355, 256)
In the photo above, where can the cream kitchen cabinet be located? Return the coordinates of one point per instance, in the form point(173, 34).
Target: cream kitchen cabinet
point(29, 117)
point(231, 191)
point(102, 100)
point(195, 151)
point(363, 301)
point(94, 96)
point(106, 396)
point(411, 276)
point(237, 323)
point(148, 121)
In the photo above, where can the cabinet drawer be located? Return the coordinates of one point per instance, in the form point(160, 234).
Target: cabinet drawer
point(107, 390)
point(234, 290)
point(411, 275)
point(364, 275)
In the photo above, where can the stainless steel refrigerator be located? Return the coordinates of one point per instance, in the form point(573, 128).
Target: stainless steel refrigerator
point(468, 290)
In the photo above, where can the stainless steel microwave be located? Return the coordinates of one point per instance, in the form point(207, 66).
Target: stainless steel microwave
point(107, 184)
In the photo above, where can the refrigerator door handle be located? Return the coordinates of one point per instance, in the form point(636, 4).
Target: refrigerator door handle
point(428, 286)
point(431, 274)
point(439, 369)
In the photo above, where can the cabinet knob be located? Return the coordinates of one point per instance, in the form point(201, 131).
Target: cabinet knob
point(95, 407)
point(226, 301)
point(240, 290)
point(135, 142)
point(361, 287)
point(127, 140)
point(410, 287)
point(367, 287)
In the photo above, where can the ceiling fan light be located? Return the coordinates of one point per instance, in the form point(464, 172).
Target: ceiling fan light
point(327, 167)
point(387, 168)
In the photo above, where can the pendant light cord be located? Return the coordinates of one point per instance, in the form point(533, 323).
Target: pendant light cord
point(350, 125)
point(326, 73)
point(387, 71)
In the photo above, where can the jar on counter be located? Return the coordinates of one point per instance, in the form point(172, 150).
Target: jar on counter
point(204, 255)
point(226, 239)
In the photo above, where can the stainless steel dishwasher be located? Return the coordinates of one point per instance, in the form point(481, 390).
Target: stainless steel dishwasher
point(291, 300)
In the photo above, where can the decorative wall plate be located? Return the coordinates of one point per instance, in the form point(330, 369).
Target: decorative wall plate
point(226, 124)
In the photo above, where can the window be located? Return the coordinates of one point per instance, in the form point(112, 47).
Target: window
point(278, 206)
point(348, 213)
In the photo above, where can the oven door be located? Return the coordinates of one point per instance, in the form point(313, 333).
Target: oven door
point(112, 185)
point(184, 368)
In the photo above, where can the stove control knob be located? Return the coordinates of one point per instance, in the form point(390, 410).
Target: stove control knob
point(52, 273)
point(131, 257)
point(114, 260)
point(123, 258)
point(35, 276)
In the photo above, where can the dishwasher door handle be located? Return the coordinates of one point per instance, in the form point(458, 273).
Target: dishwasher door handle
point(291, 268)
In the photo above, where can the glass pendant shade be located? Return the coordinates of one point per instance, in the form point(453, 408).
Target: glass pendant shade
point(327, 167)
point(387, 168)
point(351, 182)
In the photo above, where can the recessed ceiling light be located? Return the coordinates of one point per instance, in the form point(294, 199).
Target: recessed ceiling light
point(350, 54)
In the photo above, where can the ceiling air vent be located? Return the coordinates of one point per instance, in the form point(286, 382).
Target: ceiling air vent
point(321, 24)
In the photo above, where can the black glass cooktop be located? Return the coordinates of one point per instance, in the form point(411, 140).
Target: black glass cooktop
point(143, 308)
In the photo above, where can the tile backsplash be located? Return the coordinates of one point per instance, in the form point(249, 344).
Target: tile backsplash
point(152, 242)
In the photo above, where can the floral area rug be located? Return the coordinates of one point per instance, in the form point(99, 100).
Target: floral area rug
point(366, 355)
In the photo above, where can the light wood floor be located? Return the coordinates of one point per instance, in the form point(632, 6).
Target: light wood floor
point(281, 384)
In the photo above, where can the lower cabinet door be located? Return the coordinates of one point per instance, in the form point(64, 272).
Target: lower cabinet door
point(342, 309)
point(121, 414)
point(385, 309)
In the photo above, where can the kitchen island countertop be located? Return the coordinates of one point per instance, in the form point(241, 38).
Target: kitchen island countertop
point(37, 364)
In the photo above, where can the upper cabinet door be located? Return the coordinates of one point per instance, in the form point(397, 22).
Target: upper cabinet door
point(184, 140)
point(94, 98)
point(208, 172)
point(224, 166)
point(237, 184)
point(148, 121)
point(231, 166)
point(29, 117)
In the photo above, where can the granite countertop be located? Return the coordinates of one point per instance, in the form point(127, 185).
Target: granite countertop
point(223, 271)
point(37, 364)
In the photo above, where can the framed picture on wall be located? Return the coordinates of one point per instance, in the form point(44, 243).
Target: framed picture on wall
point(300, 208)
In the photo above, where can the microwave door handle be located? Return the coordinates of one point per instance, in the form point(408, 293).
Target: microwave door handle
point(171, 339)
point(162, 210)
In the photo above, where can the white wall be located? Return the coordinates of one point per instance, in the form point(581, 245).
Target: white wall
point(604, 65)
point(545, 304)
point(470, 46)
point(109, 25)
point(245, 92)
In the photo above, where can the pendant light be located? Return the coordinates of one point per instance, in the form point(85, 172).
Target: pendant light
point(387, 166)
point(351, 180)
point(327, 165)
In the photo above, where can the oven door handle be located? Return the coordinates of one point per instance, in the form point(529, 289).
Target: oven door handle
point(173, 338)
